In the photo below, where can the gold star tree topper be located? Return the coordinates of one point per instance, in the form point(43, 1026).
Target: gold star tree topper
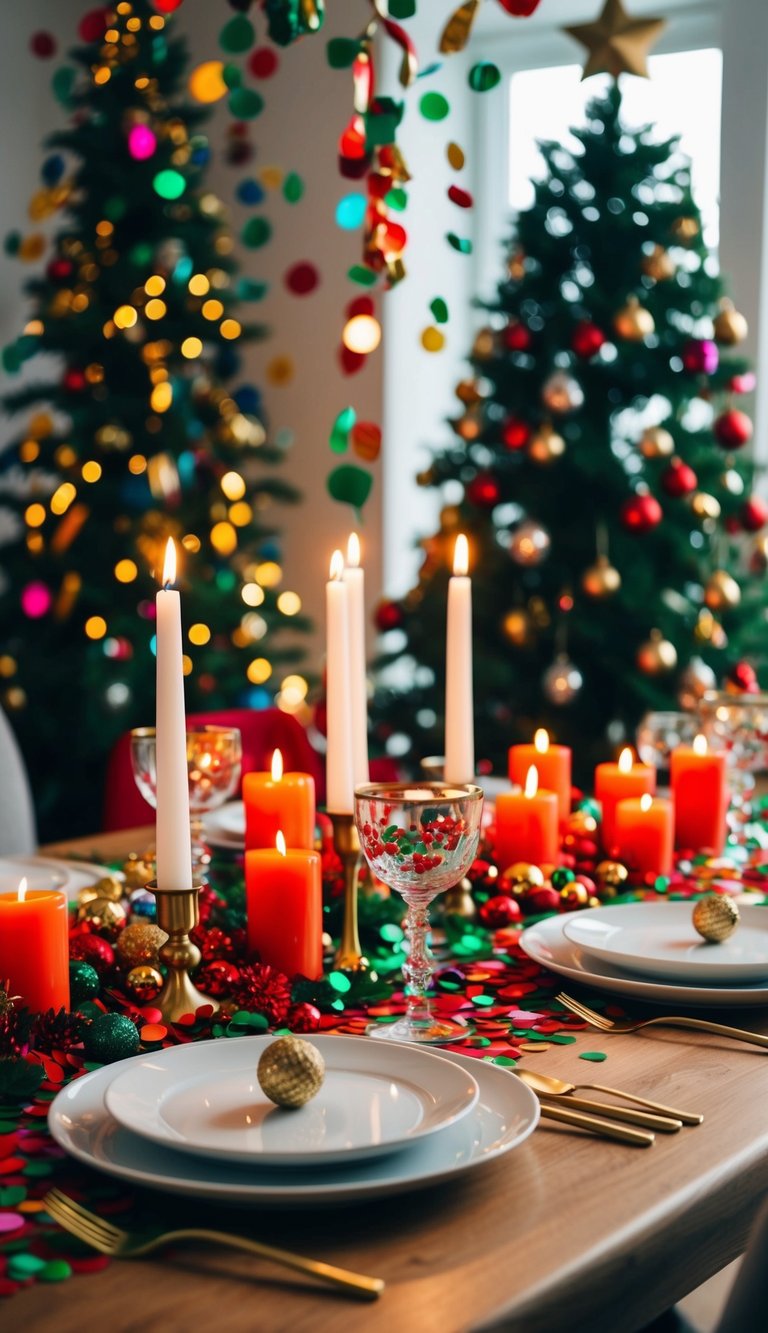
point(617, 44)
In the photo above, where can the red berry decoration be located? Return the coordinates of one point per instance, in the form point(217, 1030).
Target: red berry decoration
point(262, 62)
point(217, 978)
point(701, 356)
point(303, 1018)
point(515, 433)
point(679, 479)
point(499, 912)
point(641, 513)
point(74, 380)
point(733, 429)
point(517, 337)
point(587, 339)
point(301, 278)
point(753, 514)
point(261, 989)
point(483, 490)
point(42, 45)
point(387, 616)
point(60, 269)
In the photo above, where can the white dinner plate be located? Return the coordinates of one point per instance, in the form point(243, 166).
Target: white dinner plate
point(506, 1114)
point(226, 827)
point(205, 1099)
point(548, 945)
point(658, 939)
point(49, 872)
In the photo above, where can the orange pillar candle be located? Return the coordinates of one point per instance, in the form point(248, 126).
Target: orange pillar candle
point(34, 947)
point(644, 834)
point(619, 782)
point(553, 763)
point(284, 902)
point(527, 825)
point(698, 782)
point(278, 800)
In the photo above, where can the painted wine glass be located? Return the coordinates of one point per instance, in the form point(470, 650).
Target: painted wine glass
point(420, 839)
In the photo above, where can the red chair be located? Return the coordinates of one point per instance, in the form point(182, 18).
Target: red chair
point(262, 731)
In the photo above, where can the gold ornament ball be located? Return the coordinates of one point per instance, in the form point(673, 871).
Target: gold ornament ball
point(291, 1072)
point(516, 628)
point(715, 918)
point(104, 915)
point(574, 896)
point(468, 392)
point(730, 326)
point(758, 561)
point(521, 878)
point(562, 393)
point(546, 445)
point(468, 427)
point(709, 630)
point(581, 824)
point(458, 901)
point(516, 265)
point(139, 944)
point(685, 229)
point(484, 345)
point(656, 442)
point(611, 877)
point(659, 264)
point(111, 886)
point(138, 872)
point(705, 506)
point(450, 518)
point(601, 579)
point(657, 655)
point(633, 322)
point(722, 592)
point(144, 983)
point(695, 681)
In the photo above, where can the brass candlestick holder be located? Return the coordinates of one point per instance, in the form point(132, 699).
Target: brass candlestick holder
point(349, 955)
point(177, 915)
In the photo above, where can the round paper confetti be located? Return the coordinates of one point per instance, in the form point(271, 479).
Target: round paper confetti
point(246, 103)
point(455, 156)
point(484, 76)
point(432, 340)
point(206, 82)
point(263, 62)
point(396, 199)
point(280, 370)
point(350, 362)
point(93, 25)
point(460, 197)
point(350, 485)
point(302, 278)
point(250, 192)
point(10, 1222)
point(366, 443)
point(362, 305)
point(439, 310)
point(293, 188)
point(433, 106)
point(42, 45)
point(232, 75)
point(350, 212)
point(238, 35)
point(339, 436)
point(596, 1056)
point(364, 277)
point(341, 52)
point(256, 232)
point(460, 243)
point(271, 178)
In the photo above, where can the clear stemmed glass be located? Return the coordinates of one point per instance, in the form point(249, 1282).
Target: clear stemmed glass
point(738, 724)
point(659, 733)
point(420, 839)
point(214, 762)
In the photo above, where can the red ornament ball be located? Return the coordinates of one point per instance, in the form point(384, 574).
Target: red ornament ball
point(701, 356)
point(42, 45)
point(93, 25)
point(679, 479)
point(499, 912)
point(387, 616)
point(94, 950)
point(733, 429)
point(217, 977)
point(302, 278)
point(517, 337)
point(541, 900)
point(515, 433)
point(60, 269)
point(303, 1018)
point(587, 339)
point(743, 383)
point(74, 380)
point(641, 513)
point(484, 491)
point(167, 6)
point(744, 677)
point(263, 62)
point(753, 514)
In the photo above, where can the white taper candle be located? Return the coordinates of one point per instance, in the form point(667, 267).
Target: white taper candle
point(355, 581)
point(174, 853)
point(459, 718)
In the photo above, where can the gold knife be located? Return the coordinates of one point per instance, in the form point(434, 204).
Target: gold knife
point(662, 1123)
point(638, 1138)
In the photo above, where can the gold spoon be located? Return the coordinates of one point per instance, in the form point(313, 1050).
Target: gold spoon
point(543, 1087)
point(558, 1088)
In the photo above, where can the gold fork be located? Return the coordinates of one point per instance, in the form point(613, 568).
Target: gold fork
point(699, 1024)
point(112, 1240)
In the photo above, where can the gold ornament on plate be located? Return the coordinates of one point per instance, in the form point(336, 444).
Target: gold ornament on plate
point(633, 322)
point(656, 442)
point(546, 446)
point(291, 1072)
point(601, 579)
point(722, 592)
point(516, 627)
point(730, 326)
point(705, 506)
point(144, 983)
point(657, 655)
point(659, 264)
point(685, 229)
point(140, 943)
point(522, 878)
point(715, 918)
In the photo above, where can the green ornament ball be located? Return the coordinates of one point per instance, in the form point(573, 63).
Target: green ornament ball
point(590, 807)
point(89, 1009)
point(111, 1037)
point(84, 982)
point(561, 877)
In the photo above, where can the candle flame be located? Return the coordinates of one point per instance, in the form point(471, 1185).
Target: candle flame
point(700, 744)
point(353, 551)
point(541, 740)
point(169, 566)
point(532, 781)
point(646, 802)
point(461, 555)
point(625, 760)
point(337, 566)
point(22, 889)
point(277, 765)
point(280, 842)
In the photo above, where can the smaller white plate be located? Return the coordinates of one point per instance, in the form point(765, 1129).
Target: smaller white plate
point(659, 940)
point(49, 873)
point(205, 1099)
point(226, 827)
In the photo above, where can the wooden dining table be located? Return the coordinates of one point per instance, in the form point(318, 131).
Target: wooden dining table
point(567, 1232)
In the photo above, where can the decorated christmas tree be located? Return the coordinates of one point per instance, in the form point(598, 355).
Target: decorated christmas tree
point(138, 427)
point(599, 468)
